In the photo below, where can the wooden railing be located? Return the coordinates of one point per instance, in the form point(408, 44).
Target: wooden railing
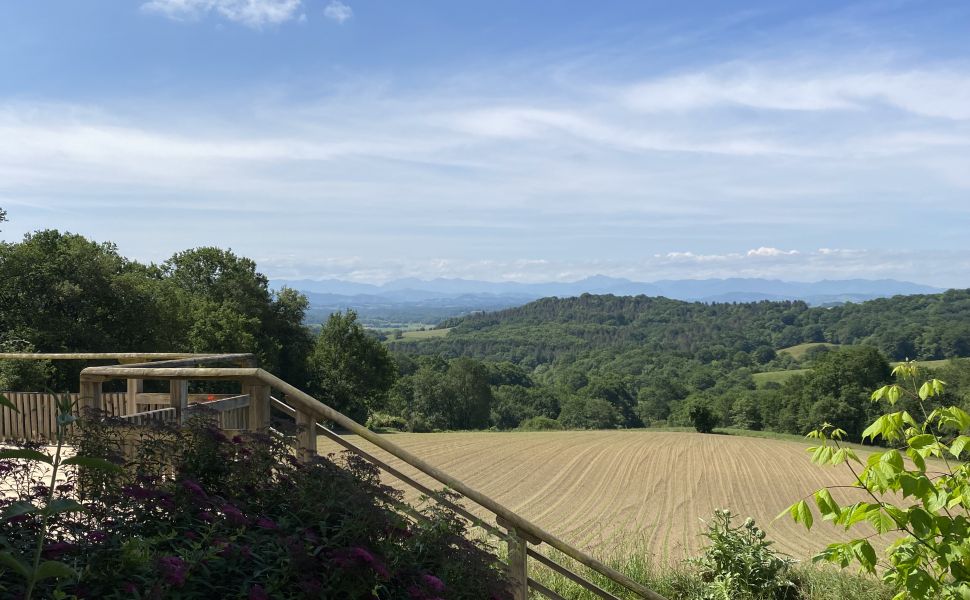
point(309, 415)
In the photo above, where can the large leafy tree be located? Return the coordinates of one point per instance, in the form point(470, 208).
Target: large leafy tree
point(60, 292)
point(350, 370)
point(232, 309)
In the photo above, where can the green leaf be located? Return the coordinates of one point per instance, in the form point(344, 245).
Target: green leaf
point(54, 569)
point(958, 445)
point(26, 454)
point(894, 459)
point(914, 485)
point(801, 513)
point(827, 505)
point(865, 553)
point(921, 441)
point(822, 455)
point(917, 459)
point(91, 462)
point(19, 508)
point(63, 505)
point(876, 428)
point(894, 393)
point(5, 402)
point(921, 521)
point(840, 554)
point(881, 521)
point(12, 562)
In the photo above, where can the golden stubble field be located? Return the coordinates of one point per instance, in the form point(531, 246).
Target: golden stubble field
point(601, 489)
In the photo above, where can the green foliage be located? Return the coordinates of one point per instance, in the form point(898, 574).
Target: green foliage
point(60, 292)
point(636, 559)
point(738, 560)
point(443, 394)
point(380, 421)
point(350, 371)
point(579, 412)
point(540, 424)
point(918, 488)
point(16, 375)
point(702, 418)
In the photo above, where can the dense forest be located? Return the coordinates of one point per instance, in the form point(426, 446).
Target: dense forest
point(585, 362)
point(608, 361)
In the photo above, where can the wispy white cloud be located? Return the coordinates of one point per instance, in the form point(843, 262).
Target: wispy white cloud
point(765, 251)
point(474, 167)
point(338, 11)
point(252, 13)
point(932, 93)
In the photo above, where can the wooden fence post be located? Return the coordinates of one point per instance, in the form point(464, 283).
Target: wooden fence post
point(179, 397)
point(90, 398)
point(259, 405)
point(135, 387)
point(517, 545)
point(518, 566)
point(306, 435)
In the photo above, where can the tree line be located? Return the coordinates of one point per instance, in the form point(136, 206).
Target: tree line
point(586, 362)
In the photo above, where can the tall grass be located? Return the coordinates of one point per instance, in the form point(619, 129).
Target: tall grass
point(681, 581)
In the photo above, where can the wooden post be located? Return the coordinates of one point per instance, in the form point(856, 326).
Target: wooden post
point(90, 398)
point(179, 397)
point(518, 565)
point(306, 435)
point(259, 405)
point(135, 387)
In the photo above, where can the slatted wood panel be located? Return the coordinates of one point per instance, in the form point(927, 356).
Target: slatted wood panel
point(36, 415)
point(167, 415)
point(232, 412)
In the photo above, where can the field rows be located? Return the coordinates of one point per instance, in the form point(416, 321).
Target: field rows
point(601, 489)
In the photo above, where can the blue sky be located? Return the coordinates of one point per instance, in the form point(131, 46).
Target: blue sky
point(526, 141)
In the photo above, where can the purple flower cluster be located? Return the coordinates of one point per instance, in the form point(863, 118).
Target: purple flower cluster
point(428, 587)
point(174, 570)
point(193, 488)
point(234, 516)
point(357, 556)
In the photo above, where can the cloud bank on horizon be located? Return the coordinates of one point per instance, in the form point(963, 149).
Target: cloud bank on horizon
point(364, 141)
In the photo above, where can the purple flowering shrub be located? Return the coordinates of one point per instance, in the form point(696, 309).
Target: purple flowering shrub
point(194, 514)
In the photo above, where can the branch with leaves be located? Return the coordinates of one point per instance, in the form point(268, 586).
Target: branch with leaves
point(931, 557)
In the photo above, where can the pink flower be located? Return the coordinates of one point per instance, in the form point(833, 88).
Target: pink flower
point(266, 523)
point(433, 583)
point(193, 488)
point(234, 515)
point(174, 570)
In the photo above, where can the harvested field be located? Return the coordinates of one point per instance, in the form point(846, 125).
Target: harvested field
point(597, 489)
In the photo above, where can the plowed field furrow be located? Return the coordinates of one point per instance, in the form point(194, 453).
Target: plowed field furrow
point(598, 489)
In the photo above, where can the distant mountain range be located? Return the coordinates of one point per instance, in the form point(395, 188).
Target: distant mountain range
point(428, 301)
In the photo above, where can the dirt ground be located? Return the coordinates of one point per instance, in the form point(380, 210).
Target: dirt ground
point(602, 490)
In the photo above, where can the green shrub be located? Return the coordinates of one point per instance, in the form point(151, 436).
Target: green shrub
point(419, 424)
point(702, 418)
point(540, 424)
point(385, 421)
point(192, 514)
point(739, 561)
